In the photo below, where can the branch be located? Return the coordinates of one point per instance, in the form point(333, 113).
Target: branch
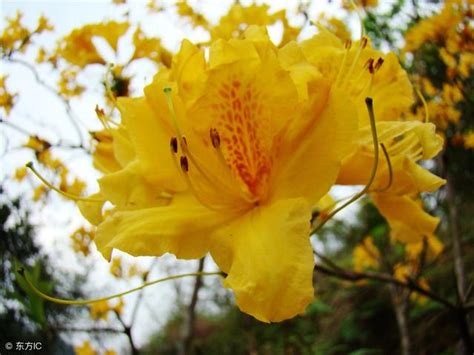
point(86, 330)
point(70, 114)
point(191, 317)
point(354, 276)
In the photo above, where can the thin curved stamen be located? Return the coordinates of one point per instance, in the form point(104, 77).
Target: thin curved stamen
point(30, 166)
point(425, 105)
point(373, 127)
point(347, 46)
point(22, 273)
point(362, 45)
point(390, 170)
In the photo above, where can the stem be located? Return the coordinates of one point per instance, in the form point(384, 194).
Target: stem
point(127, 330)
point(191, 316)
point(400, 305)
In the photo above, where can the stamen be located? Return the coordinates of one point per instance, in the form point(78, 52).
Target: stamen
point(215, 138)
point(373, 127)
point(425, 105)
point(174, 145)
point(22, 273)
point(30, 166)
point(174, 120)
point(347, 46)
point(379, 63)
point(183, 162)
point(390, 170)
point(362, 45)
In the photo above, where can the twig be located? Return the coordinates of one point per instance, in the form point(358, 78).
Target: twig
point(191, 317)
point(70, 113)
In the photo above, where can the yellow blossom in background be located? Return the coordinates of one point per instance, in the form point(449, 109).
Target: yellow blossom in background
point(348, 5)
point(81, 240)
point(78, 48)
point(99, 310)
point(116, 266)
point(150, 48)
point(68, 84)
point(15, 35)
point(85, 349)
point(44, 25)
point(186, 11)
point(366, 255)
point(20, 173)
point(469, 140)
point(39, 192)
point(7, 100)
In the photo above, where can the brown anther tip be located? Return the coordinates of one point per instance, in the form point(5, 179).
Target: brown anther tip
point(363, 42)
point(174, 145)
point(183, 161)
point(348, 44)
point(184, 141)
point(215, 138)
point(369, 101)
point(379, 63)
point(371, 67)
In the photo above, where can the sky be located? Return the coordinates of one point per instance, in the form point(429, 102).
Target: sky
point(39, 111)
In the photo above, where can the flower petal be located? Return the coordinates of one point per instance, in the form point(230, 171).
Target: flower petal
point(407, 220)
point(181, 228)
point(268, 258)
point(152, 143)
point(310, 163)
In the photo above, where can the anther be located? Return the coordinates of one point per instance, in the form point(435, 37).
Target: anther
point(371, 67)
point(174, 145)
point(363, 42)
point(183, 161)
point(348, 44)
point(379, 63)
point(215, 138)
point(167, 90)
point(369, 62)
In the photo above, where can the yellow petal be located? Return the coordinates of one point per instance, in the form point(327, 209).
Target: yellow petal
point(151, 140)
point(407, 220)
point(268, 258)
point(181, 228)
point(127, 188)
point(310, 163)
point(92, 210)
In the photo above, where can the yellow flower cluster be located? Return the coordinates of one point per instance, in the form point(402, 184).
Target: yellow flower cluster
point(17, 37)
point(100, 310)
point(230, 153)
point(78, 49)
point(87, 349)
point(81, 240)
point(450, 33)
point(7, 99)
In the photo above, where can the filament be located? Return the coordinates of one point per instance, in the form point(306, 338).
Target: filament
point(30, 166)
point(425, 105)
point(373, 127)
point(390, 170)
point(22, 273)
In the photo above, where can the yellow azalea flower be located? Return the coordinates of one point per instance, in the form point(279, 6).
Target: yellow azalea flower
point(364, 3)
point(150, 48)
point(39, 192)
point(185, 10)
point(77, 47)
point(405, 271)
point(363, 71)
point(233, 169)
point(81, 240)
point(116, 266)
point(20, 173)
point(469, 140)
point(43, 25)
point(433, 248)
point(365, 255)
point(85, 349)
point(99, 310)
point(109, 351)
point(7, 100)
